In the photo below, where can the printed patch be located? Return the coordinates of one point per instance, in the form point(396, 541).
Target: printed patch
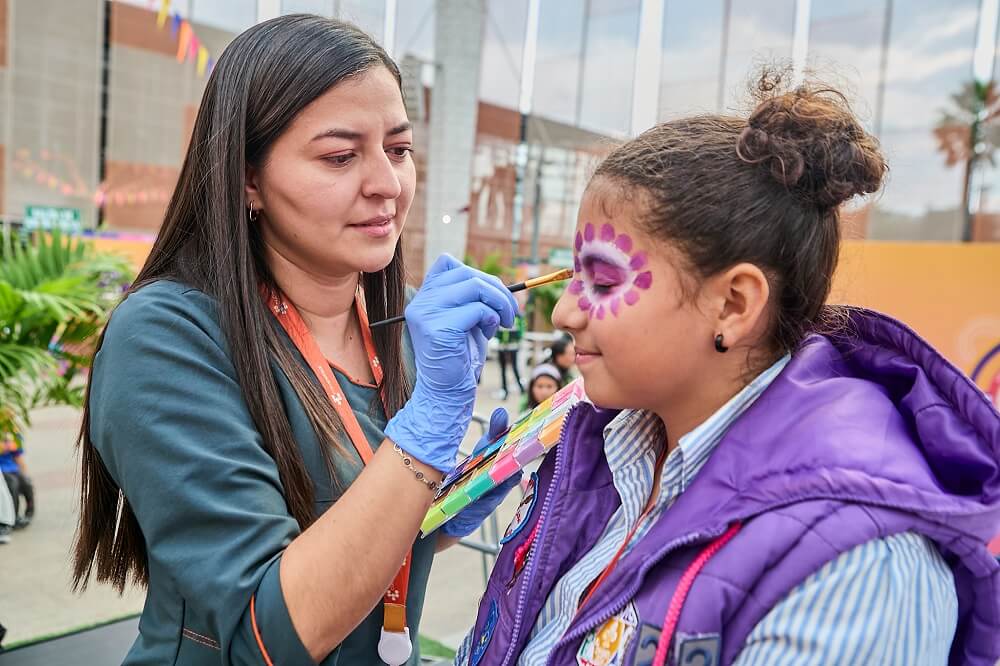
point(699, 650)
point(605, 645)
point(645, 649)
point(486, 635)
point(524, 510)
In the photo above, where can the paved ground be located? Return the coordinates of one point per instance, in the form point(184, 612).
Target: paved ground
point(35, 596)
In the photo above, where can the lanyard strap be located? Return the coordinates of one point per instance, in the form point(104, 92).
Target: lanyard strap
point(290, 319)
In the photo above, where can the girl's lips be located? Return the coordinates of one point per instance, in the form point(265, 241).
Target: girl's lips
point(583, 357)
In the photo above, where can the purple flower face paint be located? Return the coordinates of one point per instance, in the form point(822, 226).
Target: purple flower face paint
point(608, 276)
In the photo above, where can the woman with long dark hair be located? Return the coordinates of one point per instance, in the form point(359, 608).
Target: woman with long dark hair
point(252, 451)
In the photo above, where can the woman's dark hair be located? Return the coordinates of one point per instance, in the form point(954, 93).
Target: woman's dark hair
point(263, 79)
point(764, 190)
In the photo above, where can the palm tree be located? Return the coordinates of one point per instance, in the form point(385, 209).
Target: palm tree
point(55, 294)
point(969, 134)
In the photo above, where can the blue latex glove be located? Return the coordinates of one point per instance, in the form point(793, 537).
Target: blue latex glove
point(471, 517)
point(452, 316)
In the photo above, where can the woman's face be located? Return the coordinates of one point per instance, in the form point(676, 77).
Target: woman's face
point(335, 187)
point(543, 387)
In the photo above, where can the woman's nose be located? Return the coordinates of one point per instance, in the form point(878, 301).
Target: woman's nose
point(381, 179)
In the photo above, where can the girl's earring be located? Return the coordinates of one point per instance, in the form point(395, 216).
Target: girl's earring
point(719, 347)
point(254, 214)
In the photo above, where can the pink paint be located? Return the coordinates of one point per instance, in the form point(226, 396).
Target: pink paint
point(608, 275)
point(643, 280)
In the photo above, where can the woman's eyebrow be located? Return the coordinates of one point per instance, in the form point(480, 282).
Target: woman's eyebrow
point(351, 135)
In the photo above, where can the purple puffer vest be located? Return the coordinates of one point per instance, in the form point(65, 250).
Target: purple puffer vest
point(861, 436)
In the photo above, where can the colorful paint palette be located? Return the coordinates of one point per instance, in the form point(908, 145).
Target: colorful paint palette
point(528, 439)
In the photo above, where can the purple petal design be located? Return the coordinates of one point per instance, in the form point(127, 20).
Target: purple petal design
point(600, 312)
point(631, 297)
point(643, 280)
point(615, 305)
point(624, 243)
point(576, 287)
point(588, 232)
point(579, 241)
point(584, 303)
point(638, 261)
point(577, 266)
point(607, 233)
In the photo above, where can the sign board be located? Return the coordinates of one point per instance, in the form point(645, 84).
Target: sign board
point(51, 217)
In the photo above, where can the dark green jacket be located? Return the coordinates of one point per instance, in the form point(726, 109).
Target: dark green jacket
point(170, 423)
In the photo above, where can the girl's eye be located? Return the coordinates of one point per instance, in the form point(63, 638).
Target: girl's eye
point(340, 160)
point(399, 152)
point(602, 288)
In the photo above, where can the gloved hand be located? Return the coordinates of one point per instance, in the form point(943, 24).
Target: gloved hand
point(471, 517)
point(452, 316)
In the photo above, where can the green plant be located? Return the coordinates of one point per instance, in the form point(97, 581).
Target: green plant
point(55, 294)
point(543, 301)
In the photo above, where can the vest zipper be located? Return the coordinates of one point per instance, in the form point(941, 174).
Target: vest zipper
point(532, 557)
point(686, 540)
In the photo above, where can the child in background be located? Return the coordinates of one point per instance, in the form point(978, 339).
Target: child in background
point(15, 474)
point(545, 381)
point(761, 479)
point(562, 354)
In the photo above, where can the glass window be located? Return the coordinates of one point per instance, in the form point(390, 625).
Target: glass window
point(845, 48)
point(321, 7)
point(369, 15)
point(930, 57)
point(503, 52)
point(692, 53)
point(557, 66)
point(760, 31)
point(612, 32)
point(231, 15)
point(415, 29)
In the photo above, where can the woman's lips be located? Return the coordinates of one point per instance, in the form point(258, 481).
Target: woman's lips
point(376, 227)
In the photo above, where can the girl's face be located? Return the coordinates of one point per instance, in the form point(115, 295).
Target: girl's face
point(640, 343)
point(543, 387)
point(336, 186)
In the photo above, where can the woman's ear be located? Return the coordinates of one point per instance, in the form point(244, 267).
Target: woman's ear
point(252, 187)
point(740, 296)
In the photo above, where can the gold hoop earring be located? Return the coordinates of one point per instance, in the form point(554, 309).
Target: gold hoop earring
point(254, 214)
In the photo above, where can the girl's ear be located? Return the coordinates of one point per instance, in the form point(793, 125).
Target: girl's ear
point(252, 180)
point(740, 296)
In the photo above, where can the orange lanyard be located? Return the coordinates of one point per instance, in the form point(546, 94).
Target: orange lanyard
point(395, 597)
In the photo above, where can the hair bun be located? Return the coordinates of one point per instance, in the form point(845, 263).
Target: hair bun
point(809, 141)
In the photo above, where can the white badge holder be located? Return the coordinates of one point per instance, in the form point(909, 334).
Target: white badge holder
point(395, 648)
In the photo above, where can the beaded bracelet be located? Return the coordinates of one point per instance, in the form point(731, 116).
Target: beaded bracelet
point(433, 486)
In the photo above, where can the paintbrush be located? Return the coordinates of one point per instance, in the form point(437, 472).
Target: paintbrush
point(564, 274)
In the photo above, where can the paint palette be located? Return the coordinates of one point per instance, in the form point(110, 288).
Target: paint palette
point(528, 439)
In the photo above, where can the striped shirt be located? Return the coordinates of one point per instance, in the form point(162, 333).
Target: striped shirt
point(845, 613)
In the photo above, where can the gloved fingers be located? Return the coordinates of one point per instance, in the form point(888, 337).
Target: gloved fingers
point(499, 420)
point(477, 350)
point(485, 291)
point(443, 263)
point(498, 423)
point(466, 317)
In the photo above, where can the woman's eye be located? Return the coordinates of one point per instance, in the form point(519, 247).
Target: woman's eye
point(399, 152)
point(340, 160)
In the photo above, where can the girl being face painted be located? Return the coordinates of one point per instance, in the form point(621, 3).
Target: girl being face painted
point(640, 337)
